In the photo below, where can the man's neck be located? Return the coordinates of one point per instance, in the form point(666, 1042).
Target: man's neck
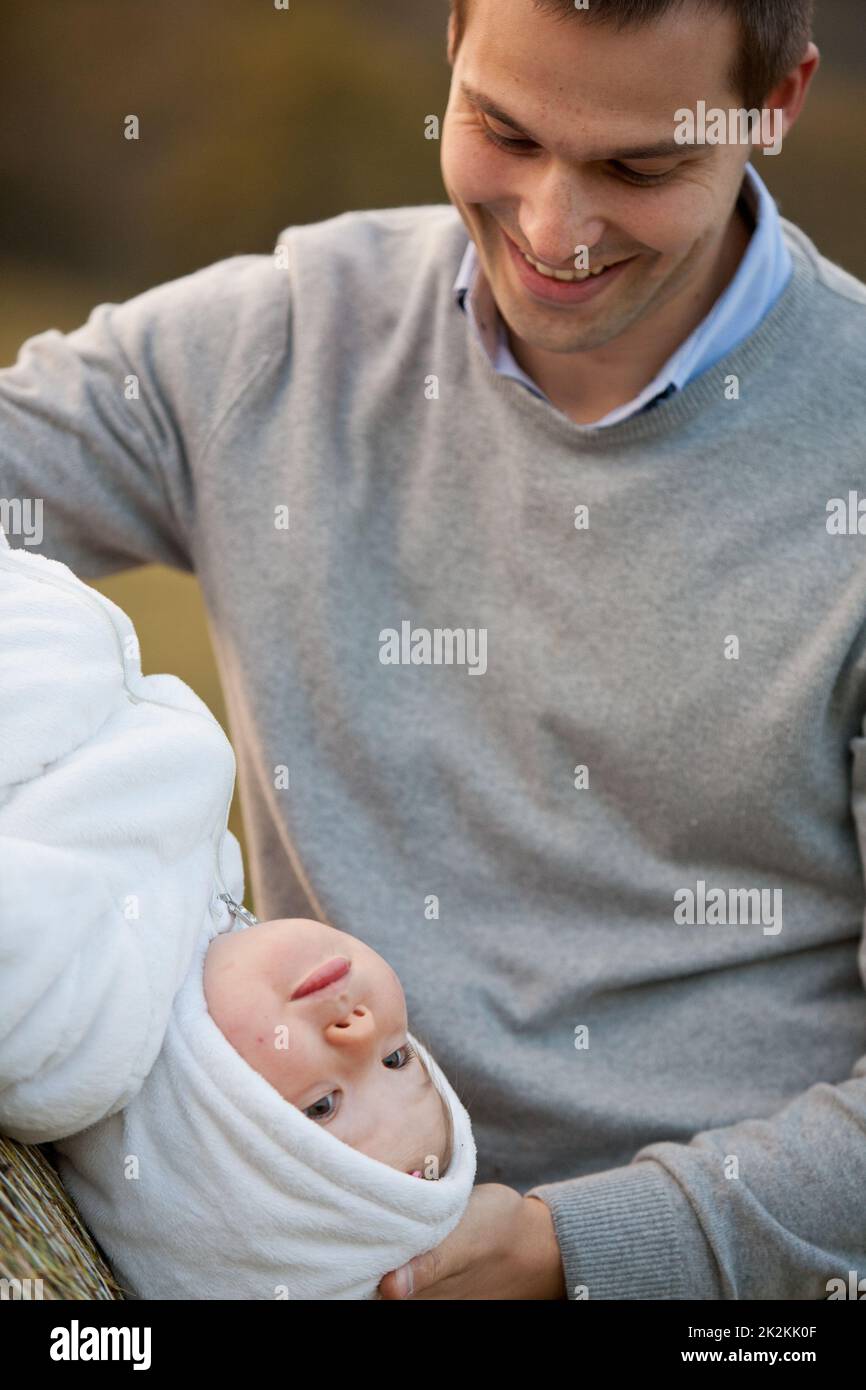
point(587, 386)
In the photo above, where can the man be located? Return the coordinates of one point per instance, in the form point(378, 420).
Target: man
point(542, 661)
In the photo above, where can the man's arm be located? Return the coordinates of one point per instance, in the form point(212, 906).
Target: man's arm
point(763, 1209)
point(101, 428)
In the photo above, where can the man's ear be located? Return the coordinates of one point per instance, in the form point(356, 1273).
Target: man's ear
point(789, 95)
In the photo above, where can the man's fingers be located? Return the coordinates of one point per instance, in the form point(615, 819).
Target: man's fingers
point(412, 1278)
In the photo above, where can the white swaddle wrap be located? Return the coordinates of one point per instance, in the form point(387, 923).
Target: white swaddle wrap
point(211, 1185)
point(115, 790)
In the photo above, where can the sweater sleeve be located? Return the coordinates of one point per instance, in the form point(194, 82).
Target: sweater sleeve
point(769, 1208)
point(103, 426)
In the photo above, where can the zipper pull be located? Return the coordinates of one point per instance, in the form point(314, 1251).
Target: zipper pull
point(237, 911)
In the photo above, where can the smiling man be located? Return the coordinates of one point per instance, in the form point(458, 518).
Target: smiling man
point(594, 407)
point(563, 135)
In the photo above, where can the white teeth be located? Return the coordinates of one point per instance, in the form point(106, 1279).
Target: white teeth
point(567, 275)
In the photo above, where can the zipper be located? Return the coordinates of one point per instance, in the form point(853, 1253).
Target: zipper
point(237, 911)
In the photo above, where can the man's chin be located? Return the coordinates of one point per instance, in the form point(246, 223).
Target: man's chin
point(536, 330)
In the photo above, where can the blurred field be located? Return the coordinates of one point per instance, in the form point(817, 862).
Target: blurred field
point(251, 120)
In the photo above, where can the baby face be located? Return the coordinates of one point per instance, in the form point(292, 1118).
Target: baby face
point(322, 1017)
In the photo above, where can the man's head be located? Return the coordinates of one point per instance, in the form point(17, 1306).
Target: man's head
point(588, 101)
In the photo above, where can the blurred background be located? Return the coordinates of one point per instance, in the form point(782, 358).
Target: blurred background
point(254, 118)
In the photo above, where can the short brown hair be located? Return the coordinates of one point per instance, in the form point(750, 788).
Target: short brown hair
point(773, 33)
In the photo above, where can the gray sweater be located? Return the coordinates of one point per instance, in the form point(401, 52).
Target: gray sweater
point(571, 720)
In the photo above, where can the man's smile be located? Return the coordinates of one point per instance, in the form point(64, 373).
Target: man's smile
point(559, 286)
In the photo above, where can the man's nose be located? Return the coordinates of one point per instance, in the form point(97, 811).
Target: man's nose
point(556, 218)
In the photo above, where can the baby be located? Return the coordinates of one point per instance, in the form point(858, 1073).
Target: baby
point(274, 1148)
point(322, 1017)
point(237, 1107)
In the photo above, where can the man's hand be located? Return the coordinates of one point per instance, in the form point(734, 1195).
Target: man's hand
point(504, 1247)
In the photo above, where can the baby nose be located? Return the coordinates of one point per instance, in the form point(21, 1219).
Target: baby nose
point(354, 1027)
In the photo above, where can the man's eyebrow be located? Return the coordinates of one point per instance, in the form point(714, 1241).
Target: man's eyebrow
point(659, 149)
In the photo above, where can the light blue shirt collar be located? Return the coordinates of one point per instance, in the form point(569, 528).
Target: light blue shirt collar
point(761, 277)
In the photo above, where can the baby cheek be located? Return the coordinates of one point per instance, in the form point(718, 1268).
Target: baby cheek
point(260, 1041)
point(277, 1053)
point(231, 1023)
point(263, 1041)
point(256, 1044)
point(232, 1015)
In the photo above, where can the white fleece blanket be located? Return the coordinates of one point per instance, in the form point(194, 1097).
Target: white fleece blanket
point(114, 797)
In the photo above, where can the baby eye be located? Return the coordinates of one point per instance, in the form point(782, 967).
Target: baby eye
point(409, 1051)
point(314, 1112)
